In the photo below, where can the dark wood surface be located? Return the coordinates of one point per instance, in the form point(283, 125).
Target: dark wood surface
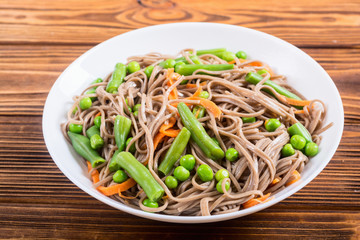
point(39, 39)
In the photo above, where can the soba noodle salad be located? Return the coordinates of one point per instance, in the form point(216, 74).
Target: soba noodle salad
point(201, 133)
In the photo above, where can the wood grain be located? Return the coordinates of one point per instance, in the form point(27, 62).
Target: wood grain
point(39, 39)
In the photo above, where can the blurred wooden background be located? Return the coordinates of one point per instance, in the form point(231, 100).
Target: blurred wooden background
point(39, 39)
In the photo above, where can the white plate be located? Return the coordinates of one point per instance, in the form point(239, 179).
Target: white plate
point(303, 73)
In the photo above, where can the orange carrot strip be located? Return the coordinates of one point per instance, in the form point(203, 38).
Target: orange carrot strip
point(209, 105)
point(292, 101)
point(255, 201)
point(158, 138)
point(171, 132)
point(192, 85)
point(115, 189)
point(294, 178)
point(131, 197)
point(165, 197)
point(231, 62)
point(197, 93)
point(168, 125)
point(275, 181)
point(171, 76)
point(197, 112)
point(299, 112)
point(95, 174)
point(98, 114)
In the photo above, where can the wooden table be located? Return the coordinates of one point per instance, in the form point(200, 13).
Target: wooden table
point(39, 39)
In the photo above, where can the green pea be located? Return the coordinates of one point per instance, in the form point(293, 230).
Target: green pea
point(96, 141)
point(272, 124)
point(228, 56)
point(181, 173)
point(287, 150)
point(98, 80)
point(216, 141)
point(148, 203)
point(221, 174)
point(132, 148)
point(133, 66)
point(219, 188)
point(241, 54)
point(248, 119)
point(231, 154)
point(205, 173)
point(262, 71)
point(298, 142)
point(204, 94)
point(97, 121)
point(148, 70)
point(85, 103)
point(136, 113)
point(75, 110)
point(188, 162)
point(75, 128)
point(169, 63)
point(91, 91)
point(171, 182)
point(311, 149)
point(136, 107)
point(120, 176)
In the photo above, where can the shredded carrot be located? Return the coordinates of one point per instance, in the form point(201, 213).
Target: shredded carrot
point(209, 105)
point(171, 76)
point(275, 181)
point(98, 114)
point(197, 93)
point(231, 62)
point(165, 197)
point(293, 178)
point(95, 174)
point(255, 201)
point(299, 112)
point(191, 85)
point(197, 113)
point(171, 132)
point(158, 138)
point(130, 197)
point(292, 101)
point(115, 189)
point(171, 123)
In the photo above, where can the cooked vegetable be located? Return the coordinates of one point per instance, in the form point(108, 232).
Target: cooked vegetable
point(168, 63)
point(248, 119)
point(176, 149)
point(120, 176)
point(96, 141)
point(82, 146)
point(232, 154)
point(141, 174)
point(222, 173)
point(117, 78)
point(299, 129)
point(272, 124)
point(75, 128)
point(151, 204)
point(122, 127)
point(171, 182)
point(298, 142)
point(219, 186)
point(311, 149)
point(215, 51)
point(255, 201)
point(181, 173)
point(85, 103)
point(133, 67)
point(91, 131)
point(241, 54)
point(287, 150)
point(188, 161)
point(198, 133)
point(188, 69)
point(148, 70)
point(132, 148)
point(205, 173)
point(97, 121)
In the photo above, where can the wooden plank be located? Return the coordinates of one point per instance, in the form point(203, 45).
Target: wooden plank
point(87, 22)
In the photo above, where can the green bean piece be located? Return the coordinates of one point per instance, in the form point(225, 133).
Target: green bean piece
point(248, 119)
point(133, 66)
point(181, 173)
point(117, 78)
point(287, 150)
point(75, 110)
point(299, 129)
point(141, 175)
point(232, 154)
point(188, 69)
point(137, 107)
point(120, 176)
point(176, 149)
point(96, 142)
point(241, 54)
point(85, 103)
point(205, 173)
point(75, 128)
point(114, 166)
point(168, 63)
point(198, 133)
point(193, 58)
point(171, 182)
point(188, 161)
point(311, 149)
point(132, 148)
point(204, 94)
point(262, 71)
point(215, 51)
point(151, 204)
point(255, 78)
point(228, 56)
point(272, 124)
point(81, 144)
point(122, 127)
point(97, 121)
point(201, 110)
point(219, 186)
point(221, 174)
point(216, 141)
point(148, 70)
point(91, 91)
point(136, 113)
point(298, 142)
point(91, 131)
